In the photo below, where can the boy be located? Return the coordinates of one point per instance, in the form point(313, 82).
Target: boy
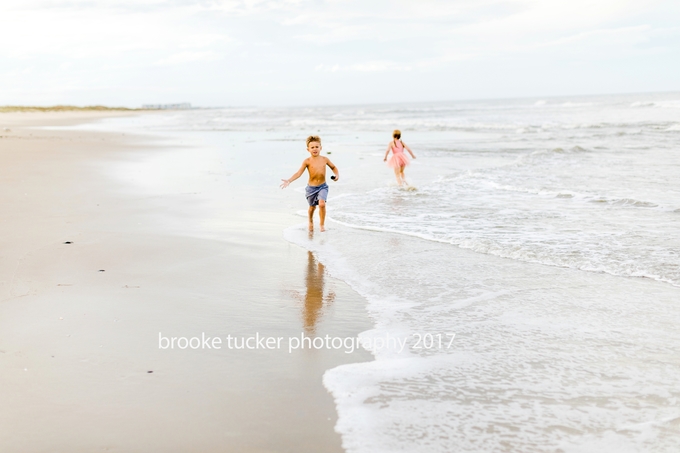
point(317, 189)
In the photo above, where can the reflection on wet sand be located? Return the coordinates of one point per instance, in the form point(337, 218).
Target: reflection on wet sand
point(314, 301)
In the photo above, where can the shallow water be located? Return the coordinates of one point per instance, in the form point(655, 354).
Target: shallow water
point(544, 234)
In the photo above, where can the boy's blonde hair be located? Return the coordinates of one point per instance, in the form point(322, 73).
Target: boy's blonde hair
point(396, 134)
point(313, 138)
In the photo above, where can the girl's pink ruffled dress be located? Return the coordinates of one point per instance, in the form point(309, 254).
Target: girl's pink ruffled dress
point(398, 158)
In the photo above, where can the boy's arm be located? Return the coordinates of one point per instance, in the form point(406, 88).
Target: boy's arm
point(409, 150)
point(334, 168)
point(295, 176)
point(389, 147)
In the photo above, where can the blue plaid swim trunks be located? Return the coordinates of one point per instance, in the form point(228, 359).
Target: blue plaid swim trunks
point(314, 193)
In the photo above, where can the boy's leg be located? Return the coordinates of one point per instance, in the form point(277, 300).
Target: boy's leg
point(322, 214)
point(310, 213)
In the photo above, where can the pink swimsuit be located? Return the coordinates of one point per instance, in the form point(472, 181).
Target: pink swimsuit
point(398, 158)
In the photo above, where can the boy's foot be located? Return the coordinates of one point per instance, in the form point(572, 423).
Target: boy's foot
point(311, 226)
point(322, 228)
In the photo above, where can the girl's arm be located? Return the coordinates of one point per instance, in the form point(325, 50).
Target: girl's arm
point(295, 176)
point(409, 150)
point(389, 147)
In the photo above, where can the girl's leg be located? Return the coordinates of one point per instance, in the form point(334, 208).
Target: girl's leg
point(397, 174)
point(401, 175)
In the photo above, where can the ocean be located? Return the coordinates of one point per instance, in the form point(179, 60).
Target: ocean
point(534, 272)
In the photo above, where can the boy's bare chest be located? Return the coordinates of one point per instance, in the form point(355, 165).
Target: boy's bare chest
point(316, 167)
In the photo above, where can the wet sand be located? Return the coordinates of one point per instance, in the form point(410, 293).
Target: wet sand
point(93, 271)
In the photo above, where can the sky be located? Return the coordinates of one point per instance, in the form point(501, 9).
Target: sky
point(215, 53)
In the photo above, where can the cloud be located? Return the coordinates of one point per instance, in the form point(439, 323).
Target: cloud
point(201, 40)
point(370, 66)
point(187, 57)
point(335, 33)
point(625, 35)
point(85, 28)
point(87, 33)
point(284, 43)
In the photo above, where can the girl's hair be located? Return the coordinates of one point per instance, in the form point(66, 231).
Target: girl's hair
point(396, 134)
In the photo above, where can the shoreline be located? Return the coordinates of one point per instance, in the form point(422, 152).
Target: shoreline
point(80, 321)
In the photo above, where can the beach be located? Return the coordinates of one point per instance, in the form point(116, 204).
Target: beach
point(95, 268)
point(522, 296)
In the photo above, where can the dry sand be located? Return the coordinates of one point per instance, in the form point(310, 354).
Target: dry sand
point(80, 367)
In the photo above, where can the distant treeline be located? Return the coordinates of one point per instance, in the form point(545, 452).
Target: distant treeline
point(61, 108)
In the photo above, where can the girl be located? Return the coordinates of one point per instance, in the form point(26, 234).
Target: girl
point(398, 161)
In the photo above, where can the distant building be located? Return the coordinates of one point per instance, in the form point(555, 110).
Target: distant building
point(182, 106)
